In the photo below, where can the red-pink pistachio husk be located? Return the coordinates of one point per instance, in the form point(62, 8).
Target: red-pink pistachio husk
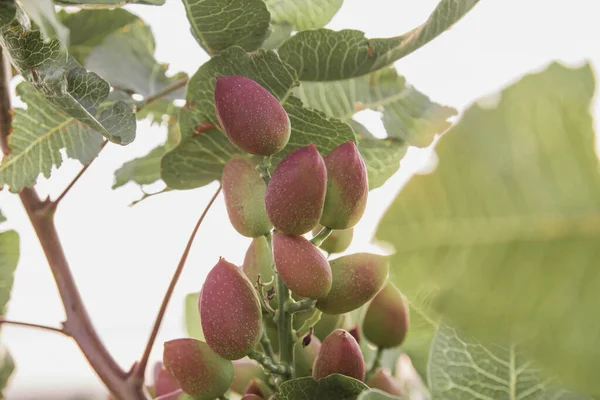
point(244, 371)
point(253, 119)
point(164, 383)
point(357, 278)
point(339, 354)
point(387, 318)
point(301, 266)
point(230, 312)
point(244, 192)
point(384, 381)
point(347, 187)
point(296, 191)
point(197, 369)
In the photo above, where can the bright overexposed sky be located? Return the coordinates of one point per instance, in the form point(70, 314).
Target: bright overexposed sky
point(123, 258)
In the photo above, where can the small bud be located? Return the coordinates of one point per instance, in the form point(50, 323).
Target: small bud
point(296, 191)
point(307, 339)
point(339, 354)
point(387, 318)
point(197, 369)
point(164, 383)
point(384, 381)
point(244, 371)
point(271, 294)
point(251, 397)
point(347, 187)
point(337, 241)
point(304, 357)
point(244, 191)
point(253, 119)
point(357, 278)
point(230, 312)
point(301, 266)
point(355, 332)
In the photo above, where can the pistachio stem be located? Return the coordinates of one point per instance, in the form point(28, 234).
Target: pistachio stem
point(309, 323)
point(265, 343)
point(268, 363)
point(302, 305)
point(376, 364)
point(321, 236)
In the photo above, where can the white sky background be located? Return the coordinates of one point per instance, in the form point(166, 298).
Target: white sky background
point(123, 258)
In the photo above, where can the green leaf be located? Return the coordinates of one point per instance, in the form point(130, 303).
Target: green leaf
point(146, 170)
point(39, 134)
point(8, 11)
point(70, 88)
point(2, 217)
point(303, 14)
point(326, 55)
point(382, 158)
point(90, 28)
point(278, 33)
point(376, 394)
point(463, 369)
point(335, 386)
point(219, 24)
point(502, 237)
point(43, 14)
point(159, 111)
point(192, 317)
point(7, 367)
point(95, 4)
point(9, 258)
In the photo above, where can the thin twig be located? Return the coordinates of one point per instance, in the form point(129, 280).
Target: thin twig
point(299, 306)
point(321, 236)
point(5, 107)
point(81, 172)
point(178, 84)
point(265, 343)
point(376, 364)
point(268, 363)
point(140, 368)
point(37, 326)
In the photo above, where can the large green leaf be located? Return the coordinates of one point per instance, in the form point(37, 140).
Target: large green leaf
point(325, 55)
point(503, 236)
point(335, 386)
point(278, 33)
point(70, 88)
point(382, 158)
point(8, 11)
point(219, 24)
point(9, 258)
point(193, 325)
point(43, 14)
point(303, 14)
point(146, 170)
point(463, 369)
point(39, 134)
point(375, 394)
point(91, 28)
point(94, 4)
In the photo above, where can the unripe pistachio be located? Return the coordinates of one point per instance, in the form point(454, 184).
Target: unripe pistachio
point(230, 312)
point(337, 241)
point(339, 354)
point(347, 187)
point(387, 318)
point(357, 278)
point(251, 397)
point(197, 369)
point(258, 260)
point(245, 370)
point(301, 266)
point(383, 380)
point(164, 383)
point(304, 357)
point(253, 119)
point(296, 191)
point(244, 191)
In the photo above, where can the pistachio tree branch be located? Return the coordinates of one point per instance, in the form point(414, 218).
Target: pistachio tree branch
point(36, 326)
point(5, 109)
point(268, 363)
point(167, 90)
point(376, 364)
point(140, 368)
point(302, 305)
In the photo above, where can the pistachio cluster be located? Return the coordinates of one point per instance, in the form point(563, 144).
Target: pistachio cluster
point(240, 308)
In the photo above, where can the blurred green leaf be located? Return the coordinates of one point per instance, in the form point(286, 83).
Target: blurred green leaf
point(502, 238)
point(375, 394)
point(278, 33)
point(335, 386)
point(463, 369)
point(326, 55)
point(39, 134)
point(220, 24)
point(192, 317)
point(382, 158)
point(303, 14)
point(8, 11)
point(9, 258)
point(43, 14)
point(95, 4)
point(2, 217)
point(7, 367)
point(70, 88)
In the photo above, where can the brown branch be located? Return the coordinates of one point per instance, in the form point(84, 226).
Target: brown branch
point(178, 84)
point(140, 368)
point(81, 172)
point(36, 326)
point(5, 109)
